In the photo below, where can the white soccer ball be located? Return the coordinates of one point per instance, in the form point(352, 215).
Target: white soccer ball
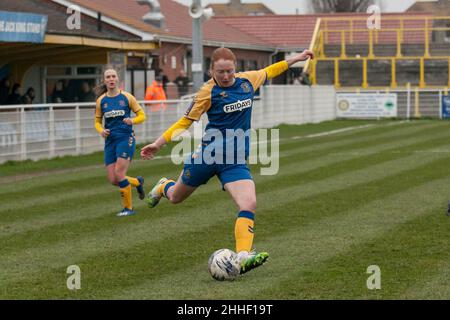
point(223, 265)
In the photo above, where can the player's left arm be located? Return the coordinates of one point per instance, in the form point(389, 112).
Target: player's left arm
point(259, 77)
point(137, 109)
point(278, 68)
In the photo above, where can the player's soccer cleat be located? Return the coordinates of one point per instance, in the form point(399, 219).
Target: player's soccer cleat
point(253, 261)
point(140, 187)
point(125, 212)
point(155, 195)
point(448, 209)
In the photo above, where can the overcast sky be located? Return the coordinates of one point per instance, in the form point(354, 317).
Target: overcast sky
point(290, 6)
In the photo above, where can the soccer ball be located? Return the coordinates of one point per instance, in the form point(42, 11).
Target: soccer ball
point(223, 265)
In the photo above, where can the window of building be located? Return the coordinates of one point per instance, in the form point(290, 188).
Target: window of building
point(252, 65)
point(65, 84)
point(240, 65)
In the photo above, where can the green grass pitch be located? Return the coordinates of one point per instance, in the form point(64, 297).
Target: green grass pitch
point(373, 195)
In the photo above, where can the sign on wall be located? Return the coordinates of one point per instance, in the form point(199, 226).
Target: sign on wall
point(22, 27)
point(366, 105)
point(445, 107)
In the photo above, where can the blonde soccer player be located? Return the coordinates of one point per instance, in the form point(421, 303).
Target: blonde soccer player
point(115, 106)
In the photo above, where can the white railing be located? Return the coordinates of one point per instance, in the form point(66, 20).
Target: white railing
point(50, 130)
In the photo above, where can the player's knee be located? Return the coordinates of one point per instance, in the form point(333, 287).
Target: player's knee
point(113, 180)
point(248, 205)
point(119, 174)
point(174, 199)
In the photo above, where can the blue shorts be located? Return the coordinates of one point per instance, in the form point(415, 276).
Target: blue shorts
point(196, 174)
point(119, 148)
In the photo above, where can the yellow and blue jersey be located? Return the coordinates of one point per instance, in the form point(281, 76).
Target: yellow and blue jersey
point(114, 110)
point(228, 108)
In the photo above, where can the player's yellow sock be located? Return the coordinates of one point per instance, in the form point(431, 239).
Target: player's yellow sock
point(243, 231)
point(165, 187)
point(133, 181)
point(125, 192)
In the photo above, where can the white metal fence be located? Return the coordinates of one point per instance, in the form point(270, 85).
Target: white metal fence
point(51, 130)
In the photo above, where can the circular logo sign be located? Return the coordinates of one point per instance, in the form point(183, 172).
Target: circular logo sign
point(343, 105)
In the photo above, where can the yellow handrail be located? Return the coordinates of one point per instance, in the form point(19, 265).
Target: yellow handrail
point(365, 84)
point(343, 54)
point(405, 32)
point(386, 17)
point(422, 73)
point(386, 29)
point(399, 44)
point(337, 84)
point(371, 55)
point(393, 74)
point(313, 42)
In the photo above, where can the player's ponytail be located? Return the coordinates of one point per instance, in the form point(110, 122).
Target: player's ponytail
point(100, 89)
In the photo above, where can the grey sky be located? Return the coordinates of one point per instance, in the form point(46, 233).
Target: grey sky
point(290, 6)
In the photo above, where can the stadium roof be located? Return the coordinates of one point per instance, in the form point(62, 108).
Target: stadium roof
point(441, 7)
point(124, 20)
point(293, 32)
point(178, 23)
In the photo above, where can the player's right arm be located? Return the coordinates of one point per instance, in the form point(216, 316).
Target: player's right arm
point(201, 104)
point(149, 151)
point(98, 119)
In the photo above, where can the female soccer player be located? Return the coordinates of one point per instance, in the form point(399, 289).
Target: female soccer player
point(227, 98)
point(115, 105)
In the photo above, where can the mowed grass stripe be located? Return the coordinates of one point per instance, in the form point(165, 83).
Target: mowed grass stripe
point(332, 140)
point(19, 203)
point(39, 185)
point(434, 266)
point(279, 200)
point(381, 138)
